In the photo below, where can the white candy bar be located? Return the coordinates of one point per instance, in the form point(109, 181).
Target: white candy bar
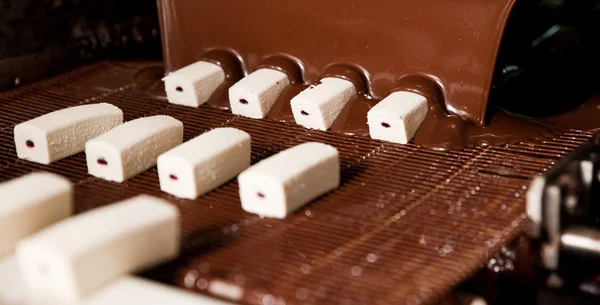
point(129, 290)
point(79, 254)
point(318, 106)
point(587, 171)
point(204, 163)
point(277, 186)
point(193, 85)
point(535, 195)
point(125, 290)
point(397, 117)
point(12, 289)
point(30, 203)
point(132, 147)
point(551, 250)
point(254, 95)
point(63, 133)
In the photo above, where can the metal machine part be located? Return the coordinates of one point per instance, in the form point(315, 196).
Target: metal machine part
point(564, 207)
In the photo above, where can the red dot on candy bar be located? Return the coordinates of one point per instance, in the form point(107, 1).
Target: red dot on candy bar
point(102, 161)
point(304, 112)
point(30, 144)
point(386, 125)
point(179, 89)
point(260, 195)
point(173, 177)
point(243, 101)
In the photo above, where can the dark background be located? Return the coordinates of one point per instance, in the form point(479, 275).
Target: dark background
point(39, 38)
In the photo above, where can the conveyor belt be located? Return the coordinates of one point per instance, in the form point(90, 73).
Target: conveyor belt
point(406, 226)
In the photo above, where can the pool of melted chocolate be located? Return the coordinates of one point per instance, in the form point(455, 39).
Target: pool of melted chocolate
point(441, 129)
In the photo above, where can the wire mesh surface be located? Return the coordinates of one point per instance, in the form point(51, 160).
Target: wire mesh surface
point(405, 227)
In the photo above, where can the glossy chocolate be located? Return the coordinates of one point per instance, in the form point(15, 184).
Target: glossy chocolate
point(282, 109)
point(452, 43)
point(233, 73)
point(353, 118)
point(285, 65)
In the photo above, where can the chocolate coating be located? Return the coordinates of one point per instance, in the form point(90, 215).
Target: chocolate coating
point(282, 109)
point(233, 73)
point(285, 65)
point(349, 73)
point(452, 43)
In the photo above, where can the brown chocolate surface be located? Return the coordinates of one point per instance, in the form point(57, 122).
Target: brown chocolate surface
point(440, 130)
point(406, 225)
point(387, 39)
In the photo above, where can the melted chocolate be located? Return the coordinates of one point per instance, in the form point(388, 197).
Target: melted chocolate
point(353, 118)
point(282, 109)
point(454, 43)
point(444, 131)
point(285, 65)
point(584, 117)
point(149, 80)
point(349, 73)
point(451, 55)
point(233, 73)
point(441, 130)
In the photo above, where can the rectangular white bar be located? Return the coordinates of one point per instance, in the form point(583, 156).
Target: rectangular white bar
point(204, 163)
point(63, 133)
point(551, 250)
point(319, 105)
point(279, 185)
point(587, 172)
point(12, 289)
point(193, 85)
point(254, 95)
point(79, 254)
point(125, 290)
point(535, 194)
point(30, 203)
point(132, 147)
point(129, 290)
point(397, 117)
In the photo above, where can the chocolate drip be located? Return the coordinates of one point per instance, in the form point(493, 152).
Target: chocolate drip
point(349, 73)
point(456, 42)
point(148, 79)
point(233, 73)
point(285, 65)
point(353, 118)
point(444, 131)
point(282, 109)
point(440, 130)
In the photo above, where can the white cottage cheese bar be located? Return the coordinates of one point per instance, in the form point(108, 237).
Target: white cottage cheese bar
point(319, 105)
point(132, 147)
point(254, 95)
point(60, 263)
point(204, 163)
point(193, 85)
point(30, 203)
point(63, 133)
point(129, 290)
point(397, 117)
point(279, 185)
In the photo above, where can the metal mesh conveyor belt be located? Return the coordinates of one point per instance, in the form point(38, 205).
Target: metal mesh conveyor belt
point(405, 227)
